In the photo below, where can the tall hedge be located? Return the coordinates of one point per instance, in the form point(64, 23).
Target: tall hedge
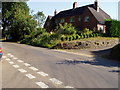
point(113, 28)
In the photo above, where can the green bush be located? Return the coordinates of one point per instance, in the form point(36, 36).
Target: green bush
point(67, 38)
point(113, 28)
point(63, 38)
point(70, 38)
point(66, 29)
point(77, 36)
point(115, 52)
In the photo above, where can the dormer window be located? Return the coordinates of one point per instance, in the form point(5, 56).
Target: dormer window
point(72, 19)
point(87, 19)
point(62, 20)
point(79, 18)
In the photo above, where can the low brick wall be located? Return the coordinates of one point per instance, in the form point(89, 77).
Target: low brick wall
point(83, 44)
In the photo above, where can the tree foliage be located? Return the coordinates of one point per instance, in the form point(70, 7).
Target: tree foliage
point(113, 28)
point(66, 29)
point(40, 18)
point(16, 20)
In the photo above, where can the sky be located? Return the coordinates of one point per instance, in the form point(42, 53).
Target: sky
point(48, 6)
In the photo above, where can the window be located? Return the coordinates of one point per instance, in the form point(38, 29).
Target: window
point(48, 23)
point(72, 19)
point(87, 19)
point(62, 20)
point(79, 18)
point(56, 21)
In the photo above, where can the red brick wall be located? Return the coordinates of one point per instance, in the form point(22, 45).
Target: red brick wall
point(82, 24)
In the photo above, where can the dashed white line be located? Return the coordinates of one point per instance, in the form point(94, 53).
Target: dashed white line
point(26, 64)
point(43, 74)
point(20, 61)
point(33, 68)
point(15, 58)
point(16, 66)
point(54, 80)
point(11, 62)
point(68, 87)
point(4, 57)
point(42, 85)
point(30, 76)
point(9, 54)
point(22, 70)
point(8, 59)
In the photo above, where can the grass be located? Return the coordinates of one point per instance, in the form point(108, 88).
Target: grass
point(94, 38)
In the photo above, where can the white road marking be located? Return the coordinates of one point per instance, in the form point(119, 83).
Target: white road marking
point(4, 57)
point(42, 85)
point(8, 59)
point(15, 58)
point(26, 64)
point(43, 74)
point(16, 66)
point(11, 62)
point(9, 54)
point(20, 61)
point(33, 68)
point(54, 80)
point(30, 76)
point(68, 87)
point(22, 70)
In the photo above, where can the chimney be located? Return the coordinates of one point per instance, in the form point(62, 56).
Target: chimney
point(74, 5)
point(96, 5)
point(55, 12)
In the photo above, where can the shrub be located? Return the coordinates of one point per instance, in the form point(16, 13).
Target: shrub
point(63, 38)
point(113, 28)
point(66, 29)
point(67, 38)
point(70, 38)
point(74, 37)
point(77, 36)
point(115, 52)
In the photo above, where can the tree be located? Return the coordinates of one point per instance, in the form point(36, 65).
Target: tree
point(66, 29)
point(16, 20)
point(40, 17)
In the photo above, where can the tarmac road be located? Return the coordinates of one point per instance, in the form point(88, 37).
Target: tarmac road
point(25, 66)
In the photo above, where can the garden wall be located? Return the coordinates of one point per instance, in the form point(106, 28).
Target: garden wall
point(92, 43)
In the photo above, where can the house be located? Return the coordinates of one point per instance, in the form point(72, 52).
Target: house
point(89, 16)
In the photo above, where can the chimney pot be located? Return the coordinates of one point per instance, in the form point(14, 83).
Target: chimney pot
point(55, 12)
point(74, 5)
point(96, 5)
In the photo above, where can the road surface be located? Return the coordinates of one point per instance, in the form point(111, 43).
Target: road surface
point(25, 66)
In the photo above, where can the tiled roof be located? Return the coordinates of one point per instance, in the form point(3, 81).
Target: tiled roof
point(100, 16)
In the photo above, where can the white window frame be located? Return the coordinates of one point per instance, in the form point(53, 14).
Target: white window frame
point(72, 19)
point(87, 19)
point(79, 18)
point(62, 20)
